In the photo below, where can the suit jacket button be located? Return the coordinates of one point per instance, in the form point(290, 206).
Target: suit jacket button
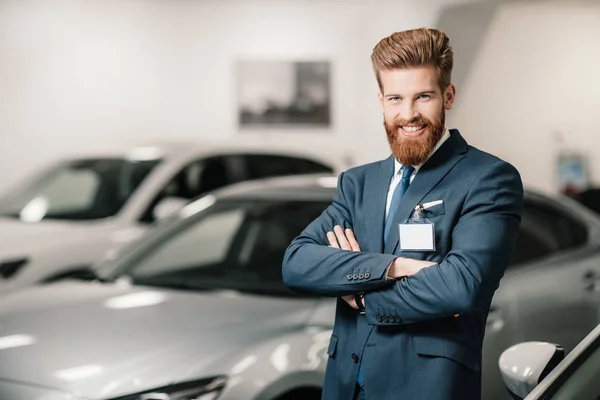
point(386, 318)
point(355, 276)
point(361, 276)
point(367, 275)
point(355, 358)
point(378, 318)
point(397, 319)
point(349, 277)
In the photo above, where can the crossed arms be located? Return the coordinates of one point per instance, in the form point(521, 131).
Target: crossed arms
point(464, 281)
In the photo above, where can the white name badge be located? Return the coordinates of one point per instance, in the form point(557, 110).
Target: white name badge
point(417, 236)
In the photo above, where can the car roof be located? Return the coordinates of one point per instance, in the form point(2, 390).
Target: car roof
point(308, 185)
point(326, 184)
point(323, 186)
point(298, 187)
point(212, 147)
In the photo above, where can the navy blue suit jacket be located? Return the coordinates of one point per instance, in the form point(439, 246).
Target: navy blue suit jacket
point(409, 342)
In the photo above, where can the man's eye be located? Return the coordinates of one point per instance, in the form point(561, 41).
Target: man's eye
point(424, 96)
point(395, 98)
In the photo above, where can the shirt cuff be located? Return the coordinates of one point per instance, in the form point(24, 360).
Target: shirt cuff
point(387, 270)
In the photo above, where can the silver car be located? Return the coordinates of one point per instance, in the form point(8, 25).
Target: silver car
point(77, 210)
point(196, 309)
point(199, 301)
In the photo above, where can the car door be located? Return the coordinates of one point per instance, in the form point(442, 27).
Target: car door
point(542, 295)
point(552, 300)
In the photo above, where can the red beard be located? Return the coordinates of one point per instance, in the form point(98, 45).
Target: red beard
point(415, 151)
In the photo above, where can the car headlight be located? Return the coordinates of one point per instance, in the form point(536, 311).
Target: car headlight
point(205, 389)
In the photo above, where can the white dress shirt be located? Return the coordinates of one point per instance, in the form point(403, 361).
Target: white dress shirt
point(398, 175)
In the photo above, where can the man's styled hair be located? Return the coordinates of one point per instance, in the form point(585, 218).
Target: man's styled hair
point(415, 48)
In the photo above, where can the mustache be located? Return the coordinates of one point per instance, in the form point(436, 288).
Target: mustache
point(413, 121)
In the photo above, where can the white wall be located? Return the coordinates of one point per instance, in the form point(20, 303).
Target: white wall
point(80, 74)
point(537, 74)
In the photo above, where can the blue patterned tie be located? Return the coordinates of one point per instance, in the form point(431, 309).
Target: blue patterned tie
point(396, 197)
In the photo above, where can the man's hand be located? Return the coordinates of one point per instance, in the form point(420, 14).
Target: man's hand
point(402, 267)
point(341, 240)
point(349, 298)
point(344, 241)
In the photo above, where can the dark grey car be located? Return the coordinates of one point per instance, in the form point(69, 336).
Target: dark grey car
point(551, 291)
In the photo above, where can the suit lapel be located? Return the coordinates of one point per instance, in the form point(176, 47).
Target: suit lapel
point(429, 175)
point(376, 187)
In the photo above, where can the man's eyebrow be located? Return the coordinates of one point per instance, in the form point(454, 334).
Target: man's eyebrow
point(430, 91)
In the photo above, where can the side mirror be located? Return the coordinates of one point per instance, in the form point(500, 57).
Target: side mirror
point(168, 206)
point(525, 365)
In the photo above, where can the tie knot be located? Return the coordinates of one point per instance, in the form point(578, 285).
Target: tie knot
point(407, 172)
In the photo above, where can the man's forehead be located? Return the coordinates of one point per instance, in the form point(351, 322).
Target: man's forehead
point(409, 80)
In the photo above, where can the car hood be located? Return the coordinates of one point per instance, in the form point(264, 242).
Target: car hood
point(104, 340)
point(20, 238)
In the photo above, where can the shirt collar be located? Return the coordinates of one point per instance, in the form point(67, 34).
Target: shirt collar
point(445, 136)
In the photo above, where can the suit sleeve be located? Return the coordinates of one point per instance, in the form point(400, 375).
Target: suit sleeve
point(482, 243)
point(311, 266)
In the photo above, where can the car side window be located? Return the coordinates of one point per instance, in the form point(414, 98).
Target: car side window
point(215, 235)
point(238, 245)
point(270, 232)
point(263, 166)
point(193, 180)
point(545, 231)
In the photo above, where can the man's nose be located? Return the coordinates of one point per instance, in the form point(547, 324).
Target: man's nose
point(408, 111)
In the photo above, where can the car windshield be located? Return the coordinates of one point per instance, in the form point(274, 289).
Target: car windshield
point(234, 245)
point(77, 190)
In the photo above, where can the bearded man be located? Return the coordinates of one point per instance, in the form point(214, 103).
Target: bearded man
point(413, 246)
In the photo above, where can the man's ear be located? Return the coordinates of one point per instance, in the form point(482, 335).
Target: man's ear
point(449, 96)
point(380, 97)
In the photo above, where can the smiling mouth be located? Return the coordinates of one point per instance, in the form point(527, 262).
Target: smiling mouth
point(412, 131)
point(413, 128)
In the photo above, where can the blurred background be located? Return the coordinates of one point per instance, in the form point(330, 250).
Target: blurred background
point(87, 74)
point(118, 114)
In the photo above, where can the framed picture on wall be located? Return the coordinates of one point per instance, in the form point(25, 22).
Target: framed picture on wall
point(571, 173)
point(283, 93)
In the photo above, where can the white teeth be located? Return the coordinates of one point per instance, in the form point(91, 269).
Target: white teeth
point(413, 128)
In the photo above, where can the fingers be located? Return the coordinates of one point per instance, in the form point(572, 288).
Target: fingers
point(352, 240)
point(350, 300)
point(332, 240)
point(341, 237)
point(342, 240)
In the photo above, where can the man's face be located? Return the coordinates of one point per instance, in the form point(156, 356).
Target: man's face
point(414, 112)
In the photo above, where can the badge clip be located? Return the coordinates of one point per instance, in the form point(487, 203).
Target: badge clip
point(417, 215)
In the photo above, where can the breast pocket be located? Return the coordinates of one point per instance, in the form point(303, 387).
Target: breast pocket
point(433, 209)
